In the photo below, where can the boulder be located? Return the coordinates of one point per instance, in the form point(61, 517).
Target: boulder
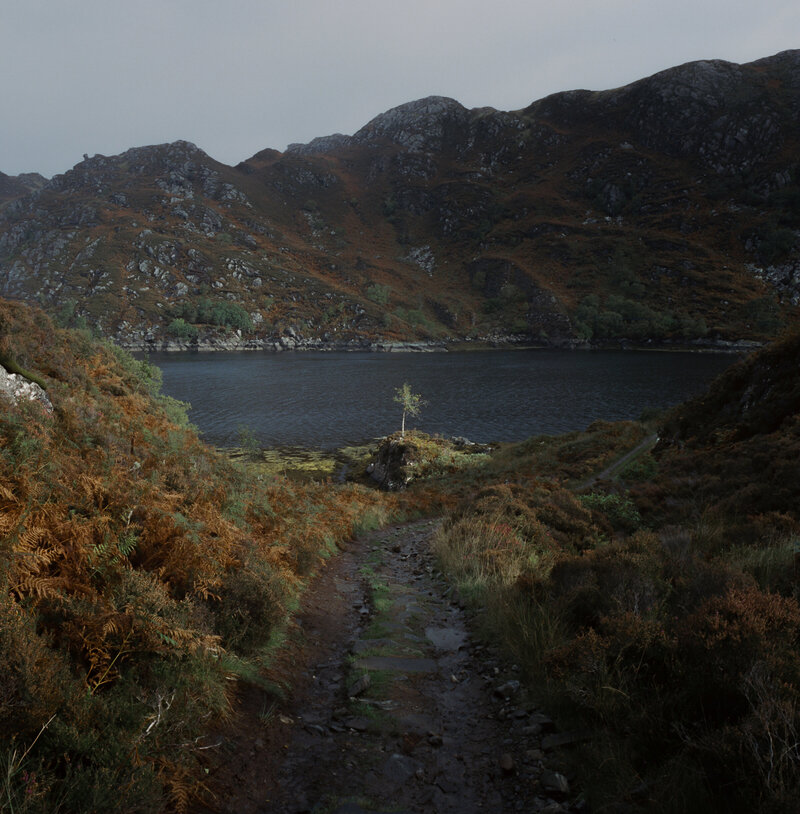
point(16, 388)
point(393, 467)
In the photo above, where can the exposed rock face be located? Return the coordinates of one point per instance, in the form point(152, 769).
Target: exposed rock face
point(707, 110)
point(417, 126)
point(321, 145)
point(17, 388)
point(16, 186)
point(393, 466)
point(665, 209)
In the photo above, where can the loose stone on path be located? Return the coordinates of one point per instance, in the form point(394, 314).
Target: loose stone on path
point(447, 638)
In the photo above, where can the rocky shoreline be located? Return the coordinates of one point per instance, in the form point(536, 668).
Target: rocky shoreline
point(284, 343)
point(294, 342)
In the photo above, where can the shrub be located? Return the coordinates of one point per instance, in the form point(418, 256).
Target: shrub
point(775, 243)
point(619, 509)
point(764, 314)
point(252, 602)
point(504, 532)
point(217, 312)
point(229, 315)
point(643, 468)
point(733, 632)
point(378, 293)
point(182, 330)
point(248, 442)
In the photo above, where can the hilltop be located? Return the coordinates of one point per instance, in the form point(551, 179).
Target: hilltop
point(662, 211)
point(16, 186)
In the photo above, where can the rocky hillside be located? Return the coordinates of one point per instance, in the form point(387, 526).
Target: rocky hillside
point(17, 186)
point(665, 210)
point(758, 396)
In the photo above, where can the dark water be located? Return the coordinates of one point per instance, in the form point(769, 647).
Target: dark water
point(333, 399)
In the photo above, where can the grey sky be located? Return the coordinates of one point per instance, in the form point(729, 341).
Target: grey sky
point(99, 76)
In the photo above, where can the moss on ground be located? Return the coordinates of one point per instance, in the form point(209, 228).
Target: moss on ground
point(302, 464)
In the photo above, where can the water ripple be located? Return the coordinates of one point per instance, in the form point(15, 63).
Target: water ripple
point(331, 399)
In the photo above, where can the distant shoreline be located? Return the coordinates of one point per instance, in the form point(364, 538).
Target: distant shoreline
point(299, 344)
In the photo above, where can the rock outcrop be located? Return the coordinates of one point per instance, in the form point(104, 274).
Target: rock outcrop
point(17, 186)
point(400, 459)
point(393, 466)
point(17, 388)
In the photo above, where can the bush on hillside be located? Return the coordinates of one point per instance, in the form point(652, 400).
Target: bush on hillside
point(182, 330)
point(215, 312)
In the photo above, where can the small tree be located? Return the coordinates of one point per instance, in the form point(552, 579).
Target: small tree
point(248, 443)
point(410, 402)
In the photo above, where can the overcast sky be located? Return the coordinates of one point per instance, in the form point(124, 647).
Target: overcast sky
point(236, 76)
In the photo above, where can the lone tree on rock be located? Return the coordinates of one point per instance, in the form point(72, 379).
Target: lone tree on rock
point(410, 402)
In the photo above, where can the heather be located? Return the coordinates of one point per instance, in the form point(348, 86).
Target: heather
point(657, 607)
point(143, 578)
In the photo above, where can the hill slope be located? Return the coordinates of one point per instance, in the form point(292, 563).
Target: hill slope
point(666, 209)
point(657, 608)
point(141, 575)
point(734, 449)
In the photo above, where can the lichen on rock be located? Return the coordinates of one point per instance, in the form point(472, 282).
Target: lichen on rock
point(17, 388)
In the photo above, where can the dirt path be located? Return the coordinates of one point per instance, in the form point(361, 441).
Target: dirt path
point(644, 446)
point(395, 707)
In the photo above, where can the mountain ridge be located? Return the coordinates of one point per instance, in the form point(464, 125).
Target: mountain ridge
point(662, 211)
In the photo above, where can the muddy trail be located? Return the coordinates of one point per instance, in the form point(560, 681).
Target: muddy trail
point(394, 706)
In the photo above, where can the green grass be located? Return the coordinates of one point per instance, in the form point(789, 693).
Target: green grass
point(377, 629)
point(773, 564)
